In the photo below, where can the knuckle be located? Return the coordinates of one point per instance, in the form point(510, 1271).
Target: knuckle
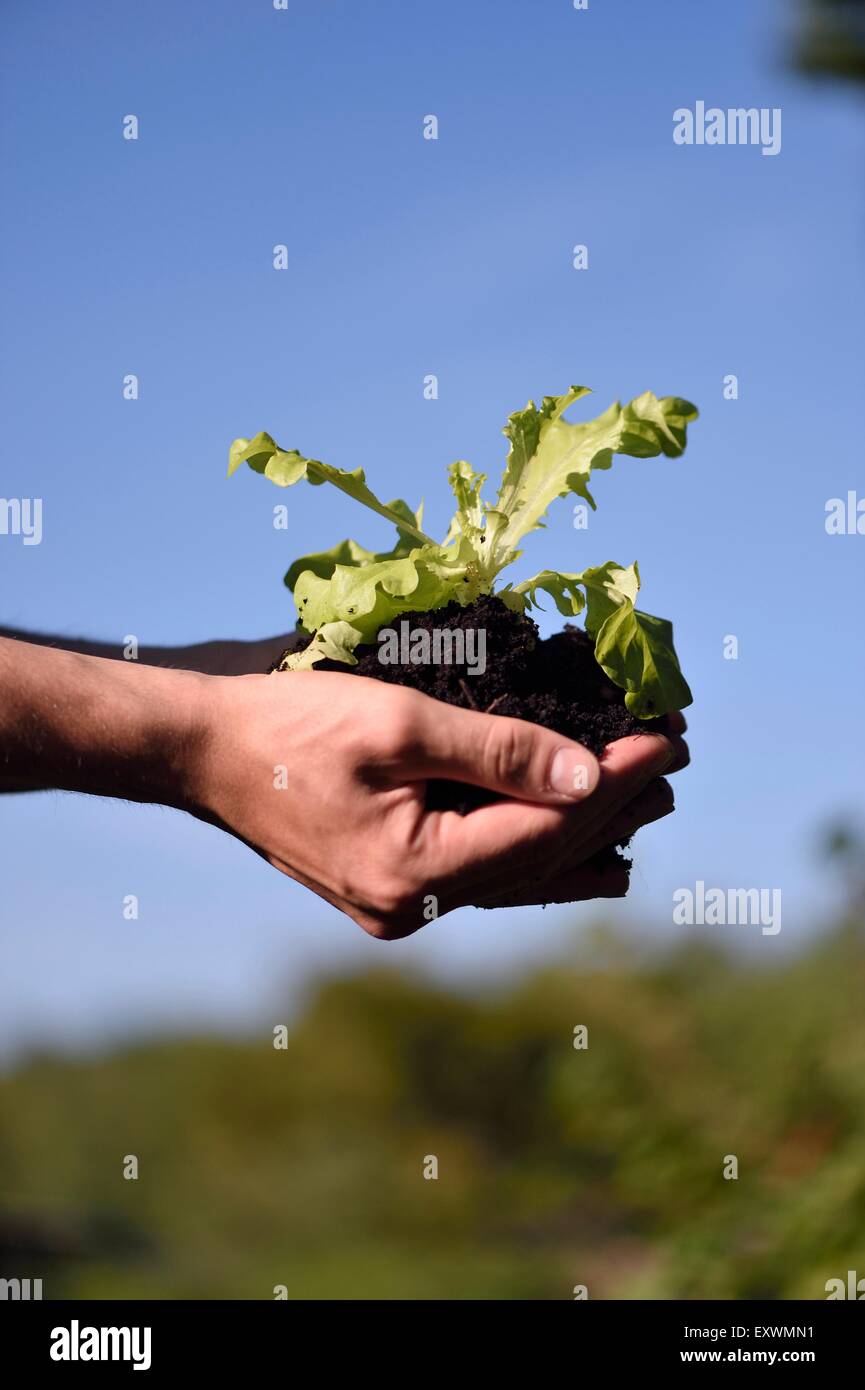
point(507, 752)
point(397, 897)
point(397, 729)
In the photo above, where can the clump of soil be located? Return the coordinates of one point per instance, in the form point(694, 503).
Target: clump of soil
point(554, 681)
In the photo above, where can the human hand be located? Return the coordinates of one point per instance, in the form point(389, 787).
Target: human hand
point(324, 775)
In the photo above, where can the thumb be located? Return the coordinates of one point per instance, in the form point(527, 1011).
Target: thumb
point(510, 756)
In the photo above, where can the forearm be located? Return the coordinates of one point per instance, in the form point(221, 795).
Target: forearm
point(217, 658)
point(81, 723)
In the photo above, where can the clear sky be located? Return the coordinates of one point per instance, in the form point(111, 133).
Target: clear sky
point(407, 257)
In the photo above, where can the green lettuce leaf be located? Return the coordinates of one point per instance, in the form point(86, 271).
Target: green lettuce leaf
point(549, 456)
point(469, 520)
point(346, 594)
point(636, 651)
point(563, 588)
point(369, 596)
point(348, 554)
point(334, 641)
point(286, 467)
point(608, 587)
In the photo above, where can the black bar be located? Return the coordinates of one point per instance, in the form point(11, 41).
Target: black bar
point(229, 1339)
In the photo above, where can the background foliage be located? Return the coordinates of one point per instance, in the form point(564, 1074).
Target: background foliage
point(303, 1167)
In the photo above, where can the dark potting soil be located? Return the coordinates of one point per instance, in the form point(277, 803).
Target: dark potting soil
point(554, 681)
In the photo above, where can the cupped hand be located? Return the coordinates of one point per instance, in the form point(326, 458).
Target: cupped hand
point(324, 775)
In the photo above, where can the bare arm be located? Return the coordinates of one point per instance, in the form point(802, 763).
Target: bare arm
point(82, 723)
point(324, 776)
point(217, 658)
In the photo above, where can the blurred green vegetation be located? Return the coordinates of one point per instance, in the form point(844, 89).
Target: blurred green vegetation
point(831, 40)
point(557, 1167)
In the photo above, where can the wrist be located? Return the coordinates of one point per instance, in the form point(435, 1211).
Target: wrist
point(170, 729)
point(140, 733)
point(187, 741)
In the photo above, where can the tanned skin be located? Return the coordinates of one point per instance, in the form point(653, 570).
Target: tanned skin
point(199, 729)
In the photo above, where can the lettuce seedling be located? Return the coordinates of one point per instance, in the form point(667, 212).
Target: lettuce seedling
point(344, 595)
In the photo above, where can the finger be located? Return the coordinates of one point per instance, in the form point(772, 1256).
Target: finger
point(628, 767)
point(672, 723)
point(510, 756)
point(683, 754)
point(654, 803)
point(503, 839)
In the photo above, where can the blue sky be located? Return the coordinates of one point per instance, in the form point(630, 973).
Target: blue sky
point(409, 257)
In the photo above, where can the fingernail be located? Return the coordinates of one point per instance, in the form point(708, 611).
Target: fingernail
point(571, 775)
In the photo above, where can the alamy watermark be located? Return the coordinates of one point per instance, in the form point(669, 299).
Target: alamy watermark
point(440, 646)
point(854, 1287)
point(22, 516)
point(77, 1343)
point(20, 1290)
point(718, 907)
point(845, 516)
point(736, 126)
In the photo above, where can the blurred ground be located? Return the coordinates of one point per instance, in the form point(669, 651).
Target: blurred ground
point(602, 1166)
